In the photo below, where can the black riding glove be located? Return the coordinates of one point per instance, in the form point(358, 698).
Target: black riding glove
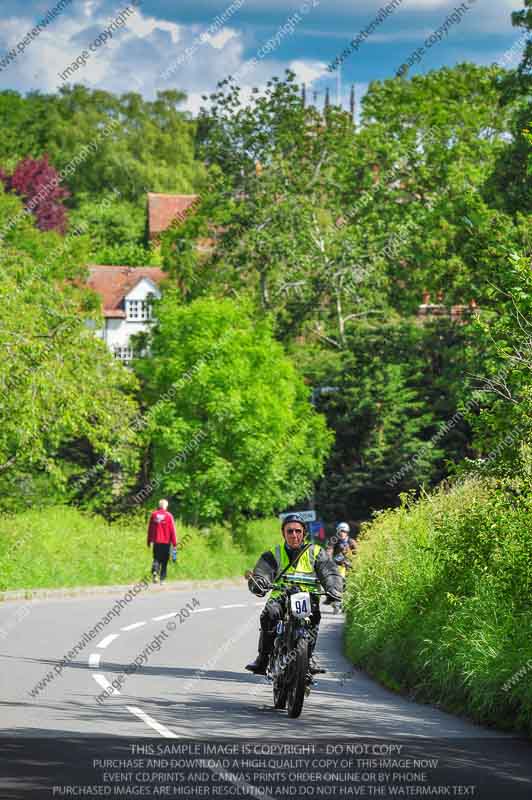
point(258, 585)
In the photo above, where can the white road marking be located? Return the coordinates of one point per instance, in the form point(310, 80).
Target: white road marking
point(165, 732)
point(104, 683)
point(132, 627)
point(101, 680)
point(108, 640)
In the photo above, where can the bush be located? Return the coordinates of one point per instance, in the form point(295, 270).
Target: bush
point(440, 601)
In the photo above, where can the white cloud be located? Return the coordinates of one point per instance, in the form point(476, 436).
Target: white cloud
point(141, 51)
point(145, 26)
point(219, 40)
point(308, 71)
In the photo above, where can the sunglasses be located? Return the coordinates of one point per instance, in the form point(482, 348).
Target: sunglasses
point(294, 530)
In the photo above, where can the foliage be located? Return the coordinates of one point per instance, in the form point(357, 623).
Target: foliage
point(64, 399)
point(503, 429)
point(111, 221)
point(230, 425)
point(439, 601)
point(117, 230)
point(30, 178)
point(152, 149)
point(323, 225)
point(272, 202)
point(387, 396)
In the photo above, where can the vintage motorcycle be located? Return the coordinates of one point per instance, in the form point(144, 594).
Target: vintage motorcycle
point(288, 668)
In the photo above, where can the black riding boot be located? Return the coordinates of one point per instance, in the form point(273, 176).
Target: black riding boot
point(258, 666)
point(314, 665)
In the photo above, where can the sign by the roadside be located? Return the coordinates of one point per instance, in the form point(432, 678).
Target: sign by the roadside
point(316, 531)
point(307, 516)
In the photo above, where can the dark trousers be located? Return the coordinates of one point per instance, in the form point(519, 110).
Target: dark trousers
point(273, 612)
point(161, 554)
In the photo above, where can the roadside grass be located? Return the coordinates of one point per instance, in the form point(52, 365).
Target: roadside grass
point(439, 603)
point(64, 547)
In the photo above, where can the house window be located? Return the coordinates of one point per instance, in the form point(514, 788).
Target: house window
point(125, 354)
point(138, 310)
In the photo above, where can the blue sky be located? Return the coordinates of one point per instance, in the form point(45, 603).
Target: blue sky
point(149, 52)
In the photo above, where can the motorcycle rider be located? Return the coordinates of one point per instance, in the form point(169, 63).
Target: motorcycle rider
point(343, 543)
point(309, 566)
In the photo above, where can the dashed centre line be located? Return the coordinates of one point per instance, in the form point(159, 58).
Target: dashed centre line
point(107, 641)
point(165, 732)
point(101, 680)
point(132, 627)
point(104, 683)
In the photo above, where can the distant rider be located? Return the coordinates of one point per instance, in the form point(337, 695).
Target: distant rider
point(161, 533)
point(344, 545)
point(310, 563)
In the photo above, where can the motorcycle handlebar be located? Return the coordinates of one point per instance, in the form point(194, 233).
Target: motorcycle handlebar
point(280, 585)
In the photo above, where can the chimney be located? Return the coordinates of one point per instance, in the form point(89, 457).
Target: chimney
point(327, 99)
point(304, 95)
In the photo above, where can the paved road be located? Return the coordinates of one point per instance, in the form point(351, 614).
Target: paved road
point(194, 686)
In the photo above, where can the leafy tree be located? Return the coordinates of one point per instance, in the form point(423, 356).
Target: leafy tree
point(64, 400)
point(231, 428)
point(394, 397)
point(151, 150)
point(32, 177)
point(117, 230)
point(503, 429)
point(323, 225)
point(511, 182)
point(110, 220)
point(271, 207)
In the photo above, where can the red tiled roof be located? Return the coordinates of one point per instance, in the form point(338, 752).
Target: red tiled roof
point(164, 208)
point(113, 283)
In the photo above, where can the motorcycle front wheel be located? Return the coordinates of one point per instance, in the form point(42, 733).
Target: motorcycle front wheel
point(280, 693)
point(298, 684)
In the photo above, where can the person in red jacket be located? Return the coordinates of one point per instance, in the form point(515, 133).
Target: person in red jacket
point(161, 533)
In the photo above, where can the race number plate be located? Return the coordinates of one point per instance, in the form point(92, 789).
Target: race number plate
point(300, 604)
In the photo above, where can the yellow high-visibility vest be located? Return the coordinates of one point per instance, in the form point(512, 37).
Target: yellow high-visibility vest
point(302, 572)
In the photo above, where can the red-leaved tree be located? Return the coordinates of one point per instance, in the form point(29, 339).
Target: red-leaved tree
point(36, 181)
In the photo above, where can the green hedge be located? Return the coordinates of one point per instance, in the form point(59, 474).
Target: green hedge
point(440, 602)
point(63, 547)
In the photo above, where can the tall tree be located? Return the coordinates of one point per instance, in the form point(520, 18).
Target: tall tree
point(64, 400)
point(230, 423)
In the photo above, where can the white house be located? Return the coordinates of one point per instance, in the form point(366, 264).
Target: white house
point(125, 294)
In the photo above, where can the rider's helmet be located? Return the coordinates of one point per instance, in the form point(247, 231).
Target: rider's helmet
point(342, 527)
point(295, 517)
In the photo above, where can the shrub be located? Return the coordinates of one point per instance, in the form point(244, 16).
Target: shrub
point(440, 601)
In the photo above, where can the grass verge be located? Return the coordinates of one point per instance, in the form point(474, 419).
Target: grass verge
point(62, 547)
